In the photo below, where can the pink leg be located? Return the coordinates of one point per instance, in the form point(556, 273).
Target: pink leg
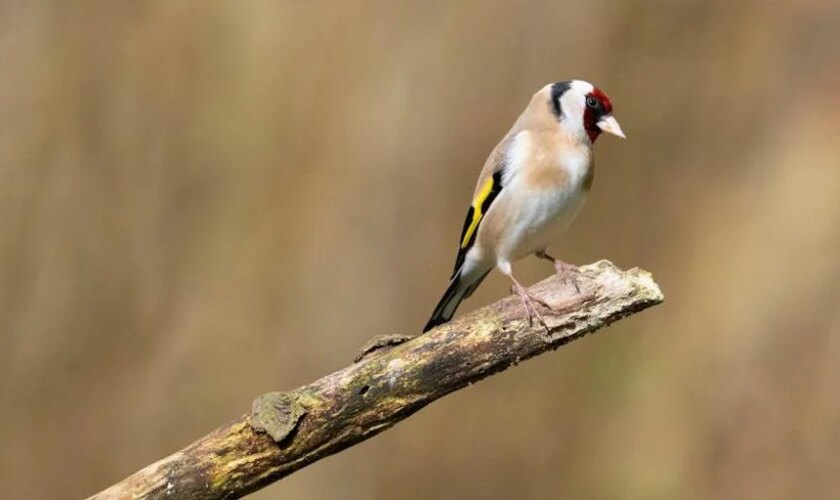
point(568, 272)
point(528, 300)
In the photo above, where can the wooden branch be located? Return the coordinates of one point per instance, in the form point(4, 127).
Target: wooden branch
point(392, 379)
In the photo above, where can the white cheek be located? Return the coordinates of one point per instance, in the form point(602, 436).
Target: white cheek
point(573, 106)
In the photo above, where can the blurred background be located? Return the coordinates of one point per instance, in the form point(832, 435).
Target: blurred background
point(204, 201)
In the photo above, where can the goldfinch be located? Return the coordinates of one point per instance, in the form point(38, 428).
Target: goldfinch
point(531, 188)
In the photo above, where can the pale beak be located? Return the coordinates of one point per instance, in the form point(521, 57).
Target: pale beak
point(610, 125)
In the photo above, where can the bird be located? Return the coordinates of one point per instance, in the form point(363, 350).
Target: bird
point(532, 186)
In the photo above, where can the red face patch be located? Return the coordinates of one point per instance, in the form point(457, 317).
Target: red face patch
point(597, 105)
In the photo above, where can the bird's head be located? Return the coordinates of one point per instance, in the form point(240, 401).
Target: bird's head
point(582, 109)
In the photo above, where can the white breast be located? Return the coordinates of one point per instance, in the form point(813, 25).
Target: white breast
point(541, 212)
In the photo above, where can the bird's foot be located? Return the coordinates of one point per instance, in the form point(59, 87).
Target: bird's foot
point(530, 302)
point(568, 272)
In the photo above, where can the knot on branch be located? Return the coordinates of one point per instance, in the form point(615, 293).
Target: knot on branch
point(277, 414)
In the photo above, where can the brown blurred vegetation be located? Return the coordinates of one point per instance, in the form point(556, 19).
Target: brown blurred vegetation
point(203, 201)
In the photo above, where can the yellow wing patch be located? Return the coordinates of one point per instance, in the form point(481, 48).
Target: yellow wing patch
point(477, 214)
point(483, 199)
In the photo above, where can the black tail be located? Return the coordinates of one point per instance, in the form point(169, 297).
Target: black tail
point(457, 291)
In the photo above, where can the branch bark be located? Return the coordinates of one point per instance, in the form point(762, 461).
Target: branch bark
point(287, 431)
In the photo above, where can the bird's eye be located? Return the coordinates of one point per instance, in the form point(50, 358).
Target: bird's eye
point(592, 102)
